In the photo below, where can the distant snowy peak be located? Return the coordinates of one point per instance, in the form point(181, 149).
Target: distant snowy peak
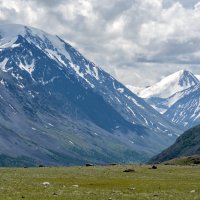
point(170, 85)
point(162, 95)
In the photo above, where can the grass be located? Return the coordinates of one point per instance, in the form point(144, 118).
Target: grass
point(187, 160)
point(101, 182)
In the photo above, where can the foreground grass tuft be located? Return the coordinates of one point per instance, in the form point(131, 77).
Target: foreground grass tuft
point(101, 182)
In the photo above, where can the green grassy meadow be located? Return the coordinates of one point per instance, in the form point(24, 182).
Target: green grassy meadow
point(101, 182)
point(187, 160)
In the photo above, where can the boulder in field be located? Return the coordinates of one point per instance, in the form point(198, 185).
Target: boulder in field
point(89, 165)
point(129, 170)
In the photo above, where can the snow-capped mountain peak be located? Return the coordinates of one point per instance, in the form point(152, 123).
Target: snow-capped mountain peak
point(187, 79)
point(170, 85)
point(53, 46)
point(168, 91)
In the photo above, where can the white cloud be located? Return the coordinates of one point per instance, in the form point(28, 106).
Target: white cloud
point(134, 40)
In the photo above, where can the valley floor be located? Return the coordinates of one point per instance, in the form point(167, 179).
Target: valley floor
point(101, 183)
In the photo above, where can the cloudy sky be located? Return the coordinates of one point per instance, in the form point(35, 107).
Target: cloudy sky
point(137, 41)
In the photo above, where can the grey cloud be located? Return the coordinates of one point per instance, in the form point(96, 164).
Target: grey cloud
point(133, 40)
point(174, 51)
point(48, 3)
point(185, 3)
point(112, 9)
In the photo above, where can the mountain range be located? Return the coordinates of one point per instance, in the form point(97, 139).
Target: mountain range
point(176, 97)
point(59, 108)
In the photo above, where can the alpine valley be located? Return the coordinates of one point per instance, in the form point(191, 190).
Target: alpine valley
point(58, 108)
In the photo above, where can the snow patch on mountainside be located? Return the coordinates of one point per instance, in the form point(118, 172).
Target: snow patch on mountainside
point(2, 82)
point(3, 64)
point(27, 67)
point(198, 77)
point(7, 44)
point(80, 74)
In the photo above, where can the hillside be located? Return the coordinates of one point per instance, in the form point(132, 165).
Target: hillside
point(59, 108)
point(186, 145)
point(186, 111)
point(184, 161)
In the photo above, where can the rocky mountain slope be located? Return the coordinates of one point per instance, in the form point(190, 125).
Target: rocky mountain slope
point(165, 93)
point(57, 107)
point(186, 111)
point(177, 97)
point(186, 145)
